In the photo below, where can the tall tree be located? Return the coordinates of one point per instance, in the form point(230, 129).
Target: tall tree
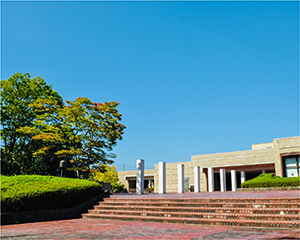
point(86, 131)
point(17, 93)
point(97, 127)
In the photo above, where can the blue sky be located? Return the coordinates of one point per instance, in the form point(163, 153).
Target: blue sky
point(191, 77)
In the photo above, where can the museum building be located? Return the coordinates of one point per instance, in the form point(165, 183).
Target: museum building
point(280, 157)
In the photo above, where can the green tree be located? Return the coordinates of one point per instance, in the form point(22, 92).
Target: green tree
point(97, 128)
point(108, 174)
point(86, 131)
point(17, 93)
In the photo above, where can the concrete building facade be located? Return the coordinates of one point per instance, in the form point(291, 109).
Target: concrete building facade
point(280, 157)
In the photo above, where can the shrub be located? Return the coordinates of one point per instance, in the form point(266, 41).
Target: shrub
point(34, 192)
point(268, 176)
point(271, 180)
point(110, 175)
point(119, 188)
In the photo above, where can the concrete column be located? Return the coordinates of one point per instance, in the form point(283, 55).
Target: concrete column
point(180, 178)
point(210, 172)
point(196, 179)
point(243, 177)
point(223, 180)
point(161, 177)
point(140, 176)
point(233, 180)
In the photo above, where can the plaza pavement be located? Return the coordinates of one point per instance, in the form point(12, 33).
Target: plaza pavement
point(110, 229)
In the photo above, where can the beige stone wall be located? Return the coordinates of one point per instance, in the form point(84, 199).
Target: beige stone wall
point(262, 146)
point(250, 158)
point(262, 156)
point(282, 147)
point(172, 176)
point(288, 145)
point(238, 158)
point(123, 174)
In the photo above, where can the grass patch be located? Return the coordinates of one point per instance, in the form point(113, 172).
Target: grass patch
point(35, 192)
point(271, 180)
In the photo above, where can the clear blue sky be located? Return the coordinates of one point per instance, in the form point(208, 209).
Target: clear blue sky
point(191, 77)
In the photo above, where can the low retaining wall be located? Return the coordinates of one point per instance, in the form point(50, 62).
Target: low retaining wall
point(50, 215)
point(268, 189)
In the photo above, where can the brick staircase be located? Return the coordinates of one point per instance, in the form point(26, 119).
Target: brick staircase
point(249, 212)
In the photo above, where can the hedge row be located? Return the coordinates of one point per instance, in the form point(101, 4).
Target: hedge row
point(271, 180)
point(34, 192)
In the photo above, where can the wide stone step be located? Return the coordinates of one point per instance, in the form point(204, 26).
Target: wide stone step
point(266, 212)
point(277, 217)
point(226, 222)
point(209, 200)
point(212, 204)
point(282, 211)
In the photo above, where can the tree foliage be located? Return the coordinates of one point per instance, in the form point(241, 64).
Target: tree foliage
point(80, 131)
point(86, 131)
point(108, 174)
point(17, 93)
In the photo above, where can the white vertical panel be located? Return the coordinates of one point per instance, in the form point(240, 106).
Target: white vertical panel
point(233, 180)
point(223, 180)
point(180, 178)
point(140, 176)
point(196, 179)
point(210, 171)
point(162, 177)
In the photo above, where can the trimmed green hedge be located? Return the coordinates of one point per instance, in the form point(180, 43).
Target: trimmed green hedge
point(271, 180)
point(35, 192)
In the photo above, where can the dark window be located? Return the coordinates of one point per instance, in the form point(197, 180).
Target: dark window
point(291, 166)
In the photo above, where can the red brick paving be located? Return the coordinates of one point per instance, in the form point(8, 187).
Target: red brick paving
point(110, 229)
point(106, 229)
point(228, 194)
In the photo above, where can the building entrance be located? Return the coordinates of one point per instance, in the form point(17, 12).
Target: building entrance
point(248, 175)
point(148, 184)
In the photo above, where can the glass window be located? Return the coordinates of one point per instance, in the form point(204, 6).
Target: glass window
point(291, 166)
point(291, 162)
